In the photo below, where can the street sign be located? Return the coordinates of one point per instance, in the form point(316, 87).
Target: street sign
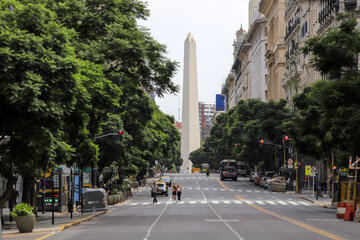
point(307, 170)
point(290, 166)
point(313, 169)
point(290, 161)
point(296, 165)
point(312, 174)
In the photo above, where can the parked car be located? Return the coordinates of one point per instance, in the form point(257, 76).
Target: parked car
point(253, 176)
point(257, 180)
point(262, 182)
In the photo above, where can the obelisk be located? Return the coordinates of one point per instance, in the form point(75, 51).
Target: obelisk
point(190, 131)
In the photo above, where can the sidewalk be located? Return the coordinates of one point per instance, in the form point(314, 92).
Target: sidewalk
point(43, 224)
point(324, 201)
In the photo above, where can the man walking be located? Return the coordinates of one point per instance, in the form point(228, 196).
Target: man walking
point(154, 191)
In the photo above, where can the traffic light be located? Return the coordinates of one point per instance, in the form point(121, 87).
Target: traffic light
point(120, 132)
point(286, 140)
point(334, 167)
point(235, 144)
point(119, 135)
point(261, 142)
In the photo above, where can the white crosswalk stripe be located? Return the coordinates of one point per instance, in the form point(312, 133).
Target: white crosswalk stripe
point(271, 202)
point(248, 191)
point(206, 189)
point(226, 202)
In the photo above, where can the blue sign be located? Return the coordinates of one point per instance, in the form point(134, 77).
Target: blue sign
point(220, 102)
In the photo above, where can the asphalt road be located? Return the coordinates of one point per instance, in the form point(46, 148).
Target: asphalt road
point(215, 210)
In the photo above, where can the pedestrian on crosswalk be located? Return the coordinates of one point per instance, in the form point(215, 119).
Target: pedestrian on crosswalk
point(174, 190)
point(154, 191)
point(179, 190)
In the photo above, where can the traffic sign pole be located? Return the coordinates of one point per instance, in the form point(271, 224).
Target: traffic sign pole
point(297, 176)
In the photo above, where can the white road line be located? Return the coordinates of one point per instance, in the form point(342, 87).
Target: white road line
point(221, 189)
point(237, 202)
point(231, 190)
point(190, 188)
point(214, 189)
point(145, 203)
point(198, 188)
point(133, 204)
point(257, 191)
point(248, 191)
point(205, 189)
point(148, 233)
point(266, 192)
point(181, 202)
point(293, 203)
point(240, 190)
point(215, 202)
point(169, 202)
point(192, 202)
point(204, 202)
point(271, 202)
point(226, 202)
point(260, 202)
point(249, 202)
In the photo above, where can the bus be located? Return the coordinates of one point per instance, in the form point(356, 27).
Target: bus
point(243, 168)
point(228, 169)
point(205, 167)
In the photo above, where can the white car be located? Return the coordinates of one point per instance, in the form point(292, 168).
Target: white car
point(253, 176)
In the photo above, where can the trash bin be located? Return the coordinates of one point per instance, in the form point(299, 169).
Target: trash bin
point(318, 192)
point(95, 199)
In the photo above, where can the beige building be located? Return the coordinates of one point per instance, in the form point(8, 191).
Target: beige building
point(274, 11)
point(228, 90)
point(306, 19)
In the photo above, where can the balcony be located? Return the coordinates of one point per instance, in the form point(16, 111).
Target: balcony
point(350, 3)
point(290, 29)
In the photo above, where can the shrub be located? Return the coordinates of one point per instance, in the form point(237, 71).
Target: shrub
point(22, 209)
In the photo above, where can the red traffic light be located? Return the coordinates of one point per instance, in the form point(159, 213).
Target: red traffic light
point(286, 138)
point(120, 132)
point(235, 144)
point(334, 167)
point(262, 141)
point(299, 163)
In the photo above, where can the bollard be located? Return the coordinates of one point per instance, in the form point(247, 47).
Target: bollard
point(349, 212)
point(340, 212)
point(94, 209)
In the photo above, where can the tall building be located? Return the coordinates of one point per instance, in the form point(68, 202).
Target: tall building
point(274, 11)
point(190, 132)
point(206, 118)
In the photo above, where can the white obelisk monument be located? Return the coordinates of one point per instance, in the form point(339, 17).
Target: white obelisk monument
point(190, 131)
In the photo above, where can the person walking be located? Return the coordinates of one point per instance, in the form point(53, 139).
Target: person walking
point(154, 191)
point(179, 190)
point(174, 189)
point(207, 173)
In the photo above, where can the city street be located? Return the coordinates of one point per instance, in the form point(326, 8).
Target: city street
point(211, 209)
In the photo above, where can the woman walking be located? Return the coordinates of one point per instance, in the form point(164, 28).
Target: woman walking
point(179, 190)
point(173, 189)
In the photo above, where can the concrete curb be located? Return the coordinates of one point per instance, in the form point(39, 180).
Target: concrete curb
point(318, 203)
point(80, 220)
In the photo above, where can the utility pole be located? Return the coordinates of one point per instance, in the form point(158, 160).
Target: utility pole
point(333, 179)
point(297, 174)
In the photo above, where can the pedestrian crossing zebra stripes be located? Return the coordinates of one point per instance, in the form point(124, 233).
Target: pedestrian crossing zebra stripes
point(228, 202)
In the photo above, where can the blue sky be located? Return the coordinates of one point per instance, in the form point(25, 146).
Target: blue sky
point(213, 24)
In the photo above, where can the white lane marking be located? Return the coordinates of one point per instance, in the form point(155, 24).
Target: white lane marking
point(220, 218)
point(304, 203)
point(293, 203)
point(226, 202)
point(240, 190)
point(197, 188)
point(237, 202)
point(192, 202)
point(257, 191)
point(260, 202)
point(203, 202)
point(169, 202)
point(266, 192)
point(205, 189)
point(248, 191)
point(145, 203)
point(190, 188)
point(148, 233)
point(133, 204)
point(221, 189)
point(249, 202)
point(215, 202)
point(180, 202)
point(231, 190)
point(271, 202)
point(214, 189)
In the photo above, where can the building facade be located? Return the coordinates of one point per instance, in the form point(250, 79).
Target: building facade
point(274, 11)
point(206, 118)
